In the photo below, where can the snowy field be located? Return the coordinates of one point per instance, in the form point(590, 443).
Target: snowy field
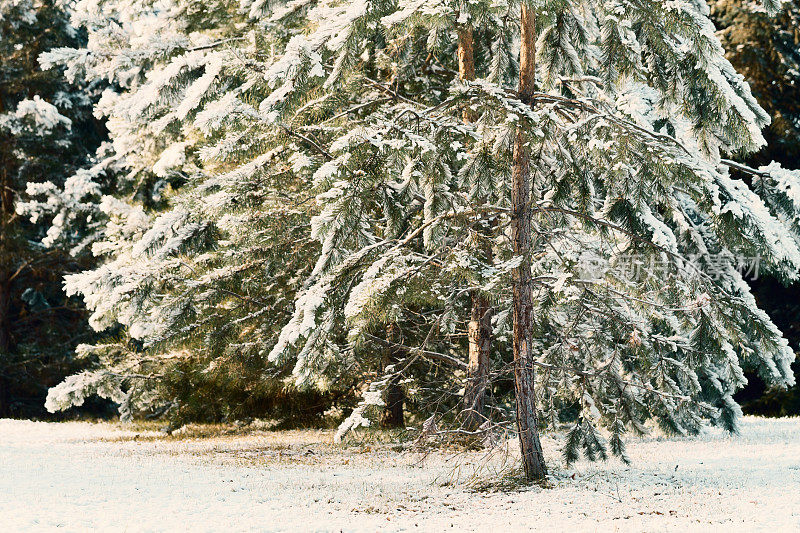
point(80, 476)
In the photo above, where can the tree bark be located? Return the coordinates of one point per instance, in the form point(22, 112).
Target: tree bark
point(5, 342)
point(466, 55)
point(479, 333)
point(521, 218)
point(5, 309)
point(395, 396)
point(5, 264)
point(6, 213)
point(479, 328)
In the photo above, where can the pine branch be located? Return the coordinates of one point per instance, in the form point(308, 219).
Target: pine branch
point(214, 44)
point(744, 168)
point(449, 359)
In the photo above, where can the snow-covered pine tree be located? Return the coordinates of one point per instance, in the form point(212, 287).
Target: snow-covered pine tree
point(479, 327)
point(460, 17)
point(357, 105)
point(521, 222)
point(47, 134)
point(765, 48)
point(225, 154)
point(204, 238)
point(636, 103)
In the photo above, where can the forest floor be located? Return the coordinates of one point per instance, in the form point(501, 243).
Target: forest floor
point(78, 476)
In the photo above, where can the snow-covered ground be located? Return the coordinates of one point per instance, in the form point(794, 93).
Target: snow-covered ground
point(80, 476)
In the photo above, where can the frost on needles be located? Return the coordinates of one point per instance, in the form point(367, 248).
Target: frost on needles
point(297, 180)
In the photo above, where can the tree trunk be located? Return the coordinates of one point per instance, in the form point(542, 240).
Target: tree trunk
point(521, 218)
point(480, 343)
point(479, 329)
point(5, 343)
point(5, 310)
point(6, 213)
point(393, 412)
point(6, 208)
point(466, 55)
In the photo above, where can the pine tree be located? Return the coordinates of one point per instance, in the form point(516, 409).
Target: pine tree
point(203, 236)
point(479, 328)
point(522, 284)
point(46, 134)
point(336, 129)
point(765, 48)
point(609, 198)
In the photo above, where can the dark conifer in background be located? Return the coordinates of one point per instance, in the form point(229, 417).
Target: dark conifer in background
point(47, 133)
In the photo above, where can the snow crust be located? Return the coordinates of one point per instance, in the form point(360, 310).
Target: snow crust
point(80, 476)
